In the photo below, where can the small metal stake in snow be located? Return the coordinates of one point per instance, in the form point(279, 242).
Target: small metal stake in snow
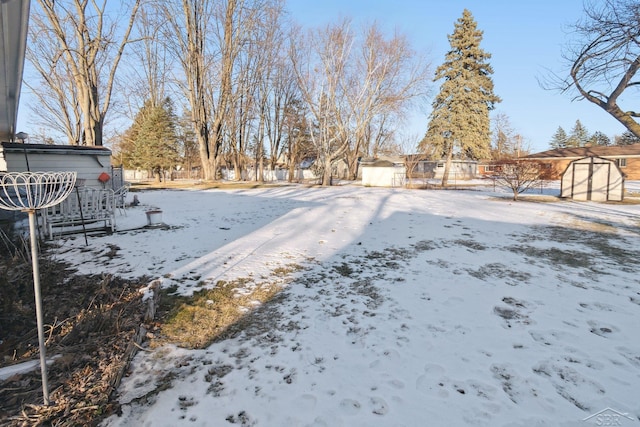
point(28, 191)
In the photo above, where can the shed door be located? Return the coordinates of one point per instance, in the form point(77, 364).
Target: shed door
point(581, 181)
point(600, 182)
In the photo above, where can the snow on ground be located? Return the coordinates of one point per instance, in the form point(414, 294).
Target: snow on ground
point(416, 308)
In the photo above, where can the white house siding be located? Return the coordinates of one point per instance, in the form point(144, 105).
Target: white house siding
point(88, 162)
point(460, 169)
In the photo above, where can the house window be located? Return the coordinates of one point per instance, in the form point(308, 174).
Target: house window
point(622, 163)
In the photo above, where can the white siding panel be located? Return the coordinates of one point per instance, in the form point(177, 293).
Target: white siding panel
point(88, 166)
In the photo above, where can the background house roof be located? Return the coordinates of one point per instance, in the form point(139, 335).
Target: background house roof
point(632, 150)
point(14, 17)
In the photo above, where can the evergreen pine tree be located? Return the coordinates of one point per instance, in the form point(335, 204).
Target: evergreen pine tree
point(627, 138)
point(559, 139)
point(151, 143)
point(459, 121)
point(579, 136)
point(599, 138)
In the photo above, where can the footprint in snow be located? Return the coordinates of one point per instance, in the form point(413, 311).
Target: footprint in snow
point(378, 406)
point(601, 330)
point(350, 406)
point(397, 384)
point(306, 402)
point(431, 386)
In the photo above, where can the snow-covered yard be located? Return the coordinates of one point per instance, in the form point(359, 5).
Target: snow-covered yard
point(414, 308)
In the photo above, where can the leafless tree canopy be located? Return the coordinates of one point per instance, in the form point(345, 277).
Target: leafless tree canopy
point(605, 58)
point(353, 84)
point(76, 48)
point(519, 175)
point(256, 93)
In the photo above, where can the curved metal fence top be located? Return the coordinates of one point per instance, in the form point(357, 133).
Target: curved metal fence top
point(34, 190)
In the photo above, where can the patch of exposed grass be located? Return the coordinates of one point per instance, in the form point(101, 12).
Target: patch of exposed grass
point(197, 321)
point(365, 288)
point(343, 269)
point(601, 239)
point(287, 270)
point(497, 270)
point(470, 244)
point(556, 257)
point(424, 245)
point(531, 198)
point(592, 226)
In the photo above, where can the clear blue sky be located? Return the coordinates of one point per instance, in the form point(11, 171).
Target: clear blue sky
point(525, 39)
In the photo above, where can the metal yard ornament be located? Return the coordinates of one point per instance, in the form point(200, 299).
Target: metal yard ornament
point(27, 192)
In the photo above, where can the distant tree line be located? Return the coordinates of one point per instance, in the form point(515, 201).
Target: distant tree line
point(230, 83)
point(197, 84)
point(579, 136)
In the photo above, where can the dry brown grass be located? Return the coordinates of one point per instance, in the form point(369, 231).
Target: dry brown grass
point(199, 320)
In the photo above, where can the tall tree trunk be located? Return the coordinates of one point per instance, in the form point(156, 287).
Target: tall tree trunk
point(447, 166)
point(326, 175)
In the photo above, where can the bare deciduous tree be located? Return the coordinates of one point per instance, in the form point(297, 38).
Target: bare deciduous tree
point(386, 77)
point(606, 60)
point(76, 49)
point(188, 23)
point(319, 59)
point(213, 41)
point(150, 63)
point(507, 144)
point(519, 175)
point(350, 85)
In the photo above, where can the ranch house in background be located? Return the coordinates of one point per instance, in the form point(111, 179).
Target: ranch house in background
point(626, 157)
point(434, 169)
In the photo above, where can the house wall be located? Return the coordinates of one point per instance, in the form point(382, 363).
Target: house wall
point(632, 169)
point(435, 169)
point(88, 166)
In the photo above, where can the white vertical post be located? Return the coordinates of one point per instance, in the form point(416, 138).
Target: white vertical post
point(38, 296)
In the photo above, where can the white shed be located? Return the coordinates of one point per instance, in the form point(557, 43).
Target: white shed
point(383, 173)
point(89, 162)
point(592, 178)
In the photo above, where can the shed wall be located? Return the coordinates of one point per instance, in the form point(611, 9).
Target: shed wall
point(373, 176)
point(592, 178)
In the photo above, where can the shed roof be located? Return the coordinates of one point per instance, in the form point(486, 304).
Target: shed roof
point(14, 17)
point(632, 150)
point(380, 163)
